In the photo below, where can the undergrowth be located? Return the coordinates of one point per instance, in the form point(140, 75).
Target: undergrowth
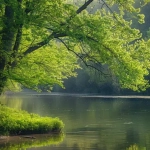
point(17, 122)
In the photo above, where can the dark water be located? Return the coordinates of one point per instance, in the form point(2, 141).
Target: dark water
point(91, 123)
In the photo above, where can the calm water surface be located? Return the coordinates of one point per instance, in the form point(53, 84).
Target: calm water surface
point(91, 122)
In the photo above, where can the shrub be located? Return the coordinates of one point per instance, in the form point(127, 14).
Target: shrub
point(15, 122)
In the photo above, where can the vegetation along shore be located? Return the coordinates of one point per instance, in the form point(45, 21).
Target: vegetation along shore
point(20, 122)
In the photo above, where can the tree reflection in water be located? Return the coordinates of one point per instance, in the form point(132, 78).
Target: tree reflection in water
point(93, 123)
point(20, 142)
point(136, 147)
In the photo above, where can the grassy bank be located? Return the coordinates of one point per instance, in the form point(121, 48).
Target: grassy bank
point(17, 122)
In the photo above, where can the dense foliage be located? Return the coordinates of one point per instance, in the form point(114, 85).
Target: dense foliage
point(15, 122)
point(40, 41)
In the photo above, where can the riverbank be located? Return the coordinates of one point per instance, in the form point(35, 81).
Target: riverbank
point(20, 122)
point(22, 142)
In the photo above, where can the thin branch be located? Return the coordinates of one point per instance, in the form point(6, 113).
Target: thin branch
point(84, 6)
point(104, 3)
point(82, 58)
point(92, 58)
point(78, 11)
point(88, 56)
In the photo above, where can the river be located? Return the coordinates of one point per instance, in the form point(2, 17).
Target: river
point(92, 122)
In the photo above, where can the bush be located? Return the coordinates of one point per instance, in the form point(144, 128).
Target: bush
point(15, 122)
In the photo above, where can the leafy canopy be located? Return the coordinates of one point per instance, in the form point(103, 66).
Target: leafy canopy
point(49, 35)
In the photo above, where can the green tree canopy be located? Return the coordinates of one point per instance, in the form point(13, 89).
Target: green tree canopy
point(40, 41)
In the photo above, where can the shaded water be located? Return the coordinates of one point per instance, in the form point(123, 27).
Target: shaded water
point(91, 122)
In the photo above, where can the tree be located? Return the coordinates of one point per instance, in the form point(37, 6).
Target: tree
point(36, 37)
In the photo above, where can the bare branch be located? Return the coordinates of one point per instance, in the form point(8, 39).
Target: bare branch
point(78, 11)
point(81, 57)
point(104, 3)
point(84, 6)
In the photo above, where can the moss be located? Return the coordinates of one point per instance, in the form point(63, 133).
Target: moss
point(15, 122)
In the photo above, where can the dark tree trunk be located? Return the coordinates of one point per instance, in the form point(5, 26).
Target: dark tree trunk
point(8, 33)
point(3, 77)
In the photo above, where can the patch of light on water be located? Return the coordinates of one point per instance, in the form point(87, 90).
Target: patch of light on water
point(128, 123)
point(105, 96)
point(87, 95)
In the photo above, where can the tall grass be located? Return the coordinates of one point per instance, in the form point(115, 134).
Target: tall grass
point(16, 122)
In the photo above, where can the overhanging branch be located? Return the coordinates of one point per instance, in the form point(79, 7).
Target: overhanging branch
point(84, 6)
point(44, 42)
point(82, 58)
point(55, 35)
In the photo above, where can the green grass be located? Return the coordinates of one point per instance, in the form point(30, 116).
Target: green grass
point(16, 122)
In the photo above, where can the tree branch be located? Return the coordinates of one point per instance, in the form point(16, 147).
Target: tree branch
point(44, 42)
point(81, 57)
point(107, 6)
point(55, 35)
point(78, 11)
point(18, 39)
point(19, 31)
point(84, 6)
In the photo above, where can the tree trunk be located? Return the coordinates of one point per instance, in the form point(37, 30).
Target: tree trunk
point(8, 33)
point(3, 77)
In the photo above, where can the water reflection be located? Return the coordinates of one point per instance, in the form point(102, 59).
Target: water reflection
point(136, 147)
point(20, 142)
point(93, 123)
point(11, 101)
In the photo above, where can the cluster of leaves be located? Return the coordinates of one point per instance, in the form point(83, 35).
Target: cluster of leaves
point(44, 41)
point(11, 85)
point(33, 23)
point(14, 122)
point(113, 42)
point(51, 66)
